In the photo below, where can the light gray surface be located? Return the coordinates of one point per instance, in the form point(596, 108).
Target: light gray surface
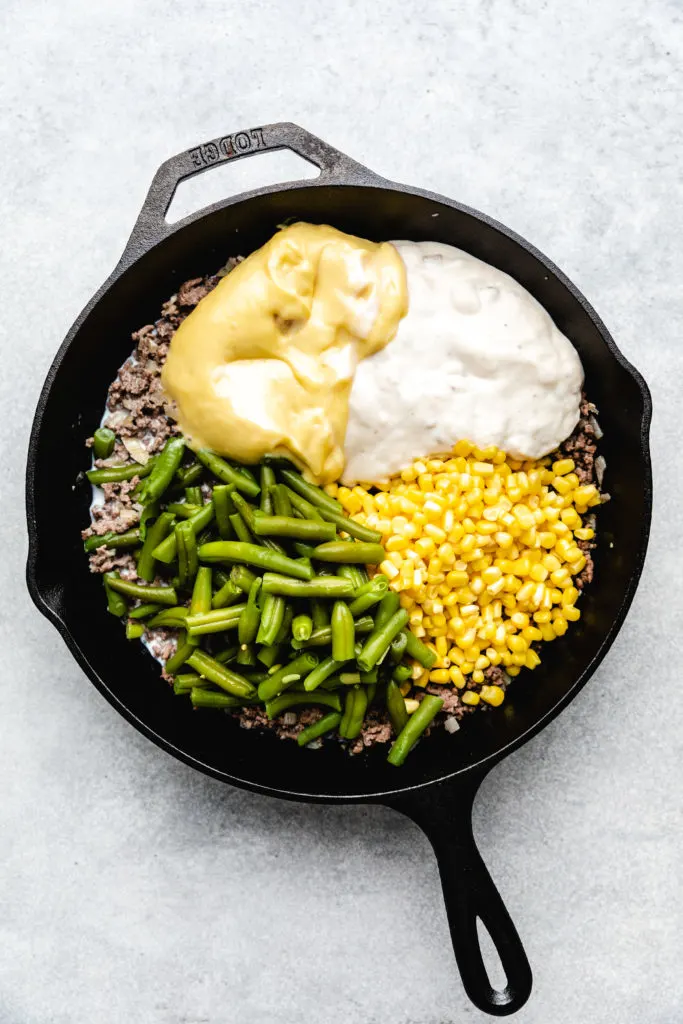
point(131, 888)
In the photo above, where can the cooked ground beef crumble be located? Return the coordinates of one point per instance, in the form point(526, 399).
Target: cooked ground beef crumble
point(137, 410)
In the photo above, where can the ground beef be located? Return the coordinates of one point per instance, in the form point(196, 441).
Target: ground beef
point(138, 410)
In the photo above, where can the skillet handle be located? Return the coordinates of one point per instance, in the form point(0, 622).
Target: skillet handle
point(444, 813)
point(335, 168)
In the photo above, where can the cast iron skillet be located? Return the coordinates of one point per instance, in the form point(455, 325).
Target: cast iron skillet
point(438, 783)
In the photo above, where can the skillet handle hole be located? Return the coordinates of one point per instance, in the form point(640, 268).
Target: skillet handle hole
point(495, 972)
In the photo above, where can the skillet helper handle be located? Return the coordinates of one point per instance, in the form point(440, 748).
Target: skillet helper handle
point(445, 816)
point(335, 168)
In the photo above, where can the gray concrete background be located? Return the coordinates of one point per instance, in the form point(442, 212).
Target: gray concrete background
point(133, 889)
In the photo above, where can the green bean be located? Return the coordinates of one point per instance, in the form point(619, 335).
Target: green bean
point(170, 618)
point(229, 594)
point(246, 655)
point(193, 495)
point(356, 573)
point(318, 586)
point(184, 683)
point(224, 677)
point(343, 635)
point(276, 707)
point(103, 442)
point(398, 647)
point(240, 528)
point(187, 476)
point(282, 506)
point(288, 526)
point(202, 698)
point(416, 649)
point(242, 577)
point(310, 492)
point(166, 551)
point(134, 630)
point(388, 606)
point(248, 625)
point(401, 673)
point(226, 473)
point(396, 706)
point(302, 627)
point(355, 706)
point(115, 474)
point(226, 655)
point(323, 636)
point(245, 510)
point(251, 554)
point(272, 618)
point(325, 724)
point(268, 656)
point(186, 544)
point(377, 644)
point(341, 551)
point(268, 481)
point(413, 729)
point(200, 602)
point(304, 550)
point(143, 610)
point(320, 673)
point(165, 467)
point(320, 613)
point(303, 507)
point(369, 594)
point(155, 534)
point(224, 507)
point(350, 526)
point(160, 595)
point(349, 678)
point(180, 656)
point(129, 539)
point(297, 668)
point(215, 621)
point(182, 509)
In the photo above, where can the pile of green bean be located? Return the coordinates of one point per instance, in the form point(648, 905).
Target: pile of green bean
point(266, 584)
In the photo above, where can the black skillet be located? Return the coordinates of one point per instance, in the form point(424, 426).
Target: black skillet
point(437, 785)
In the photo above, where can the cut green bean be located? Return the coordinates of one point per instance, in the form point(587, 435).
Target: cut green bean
point(182, 509)
point(165, 467)
point(193, 495)
point(320, 613)
point(240, 528)
point(318, 586)
point(228, 680)
point(268, 656)
point(285, 701)
point(202, 698)
point(242, 577)
point(288, 526)
point(349, 678)
point(134, 630)
point(320, 673)
point(355, 706)
point(323, 637)
point(227, 474)
point(187, 476)
point(324, 725)
point(216, 621)
point(129, 539)
point(115, 474)
point(413, 729)
point(416, 649)
point(275, 683)
point(183, 684)
point(388, 606)
point(227, 654)
point(402, 673)
point(229, 594)
point(200, 602)
point(303, 508)
point(103, 442)
point(166, 551)
point(282, 506)
point(398, 647)
point(272, 617)
point(246, 656)
point(159, 595)
point(186, 546)
point(143, 610)
point(169, 618)
point(343, 634)
point(356, 573)
point(224, 507)
point(268, 481)
point(341, 551)
point(180, 656)
point(302, 627)
point(310, 492)
point(251, 554)
point(248, 625)
point(396, 706)
point(304, 550)
point(369, 594)
point(377, 644)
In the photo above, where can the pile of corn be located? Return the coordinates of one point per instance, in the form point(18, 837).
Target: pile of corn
point(482, 550)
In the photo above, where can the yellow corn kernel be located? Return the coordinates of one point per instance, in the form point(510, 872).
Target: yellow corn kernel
point(493, 695)
point(571, 613)
point(548, 631)
point(467, 668)
point(520, 619)
point(470, 697)
point(483, 468)
point(563, 466)
point(456, 677)
point(389, 569)
point(517, 643)
point(513, 670)
point(531, 634)
point(478, 676)
point(439, 675)
point(538, 573)
point(570, 596)
point(411, 705)
point(425, 547)
point(493, 655)
point(561, 485)
point(584, 533)
point(542, 617)
point(525, 592)
point(560, 626)
point(532, 659)
point(586, 495)
point(551, 562)
point(405, 688)
point(397, 543)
